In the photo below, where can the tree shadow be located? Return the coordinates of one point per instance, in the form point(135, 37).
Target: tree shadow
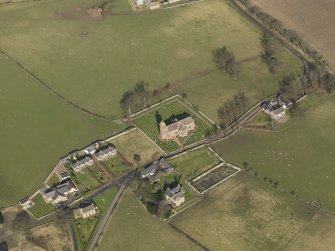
point(158, 119)
point(174, 118)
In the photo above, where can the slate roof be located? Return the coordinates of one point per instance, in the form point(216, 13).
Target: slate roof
point(150, 169)
point(181, 124)
point(88, 208)
point(81, 161)
point(105, 150)
point(278, 110)
point(175, 193)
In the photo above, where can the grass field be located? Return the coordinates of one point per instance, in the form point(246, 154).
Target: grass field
point(37, 129)
point(299, 157)
point(116, 166)
point(303, 16)
point(194, 163)
point(128, 48)
point(41, 208)
point(105, 199)
point(149, 125)
point(318, 235)
point(94, 70)
point(244, 213)
point(132, 228)
point(135, 142)
point(53, 180)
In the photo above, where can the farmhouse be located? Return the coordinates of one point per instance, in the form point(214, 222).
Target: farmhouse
point(60, 193)
point(85, 212)
point(176, 195)
point(149, 171)
point(179, 128)
point(274, 109)
point(81, 162)
point(105, 152)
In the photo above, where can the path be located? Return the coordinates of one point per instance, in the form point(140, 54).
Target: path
point(105, 219)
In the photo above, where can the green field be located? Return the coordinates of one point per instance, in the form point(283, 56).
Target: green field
point(120, 50)
point(244, 213)
point(135, 142)
point(85, 228)
point(41, 208)
point(133, 228)
point(147, 122)
point(298, 157)
point(195, 162)
point(94, 70)
point(116, 166)
point(37, 128)
point(105, 199)
point(85, 180)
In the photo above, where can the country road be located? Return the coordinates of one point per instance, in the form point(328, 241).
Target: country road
point(105, 219)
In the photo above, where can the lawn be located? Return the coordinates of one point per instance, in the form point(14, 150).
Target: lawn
point(85, 180)
point(318, 235)
point(131, 221)
point(98, 174)
point(84, 228)
point(41, 208)
point(298, 157)
point(244, 213)
point(147, 122)
point(53, 180)
point(37, 129)
point(105, 199)
point(195, 162)
point(135, 142)
point(120, 50)
point(116, 166)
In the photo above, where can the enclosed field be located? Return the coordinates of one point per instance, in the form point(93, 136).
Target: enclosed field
point(148, 122)
point(132, 228)
point(41, 208)
point(244, 213)
point(313, 20)
point(193, 163)
point(300, 157)
point(135, 142)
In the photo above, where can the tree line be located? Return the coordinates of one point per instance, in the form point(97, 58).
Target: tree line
point(233, 108)
point(269, 55)
point(278, 27)
point(225, 61)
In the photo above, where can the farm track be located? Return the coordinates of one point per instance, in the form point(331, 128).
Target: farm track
point(40, 81)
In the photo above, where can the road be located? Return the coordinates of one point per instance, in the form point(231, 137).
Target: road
point(105, 219)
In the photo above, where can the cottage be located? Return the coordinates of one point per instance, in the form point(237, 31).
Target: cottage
point(149, 171)
point(60, 193)
point(180, 128)
point(165, 166)
point(26, 203)
point(105, 152)
point(88, 211)
point(81, 162)
point(176, 195)
point(274, 109)
point(91, 149)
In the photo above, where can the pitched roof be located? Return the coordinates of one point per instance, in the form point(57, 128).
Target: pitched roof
point(173, 191)
point(181, 124)
point(105, 150)
point(278, 110)
point(81, 161)
point(164, 163)
point(88, 208)
point(150, 169)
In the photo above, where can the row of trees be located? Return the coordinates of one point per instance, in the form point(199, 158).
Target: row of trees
point(268, 55)
point(278, 27)
point(233, 108)
point(225, 60)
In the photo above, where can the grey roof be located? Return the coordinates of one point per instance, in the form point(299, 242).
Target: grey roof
point(51, 194)
point(65, 187)
point(181, 124)
point(64, 175)
point(173, 191)
point(81, 161)
point(164, 163)
point(278, 110)
point(150, 169)
point(105, 150)
point(24, 200)
point(88, 208)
